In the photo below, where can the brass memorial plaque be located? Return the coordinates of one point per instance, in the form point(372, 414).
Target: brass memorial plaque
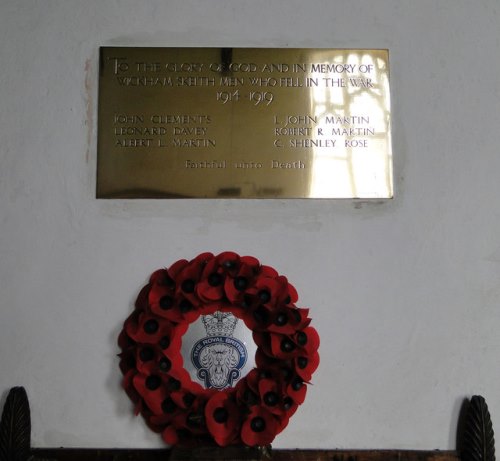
point(244, 123)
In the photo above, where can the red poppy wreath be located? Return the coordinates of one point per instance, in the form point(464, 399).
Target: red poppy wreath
point(258, 406)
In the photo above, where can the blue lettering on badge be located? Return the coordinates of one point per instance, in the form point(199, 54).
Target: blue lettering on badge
point(219, 356)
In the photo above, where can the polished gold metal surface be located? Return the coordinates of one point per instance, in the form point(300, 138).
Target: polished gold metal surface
point(244, 123)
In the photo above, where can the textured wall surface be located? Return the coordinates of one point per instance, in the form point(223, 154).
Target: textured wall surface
point(404, 293)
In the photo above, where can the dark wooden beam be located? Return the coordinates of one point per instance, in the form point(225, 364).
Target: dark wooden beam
point(67, 454)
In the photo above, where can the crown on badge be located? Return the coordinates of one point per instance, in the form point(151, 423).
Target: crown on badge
point(219, 323)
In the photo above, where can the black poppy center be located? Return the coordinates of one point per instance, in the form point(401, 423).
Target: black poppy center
point(264, 296)
point(229, 264)
point(167, 281)
point(151, 326)
point(166, 302)
point(287, 373)
point(214, 279)
point(247, 301)
point(185, 306)
point(302, 338)
point(240, 283)
point(281, 319)
point(250, 398)
point(264, 374)
point(168, 405)
point(271, 398)
point(188, 286)
point(147, 354)
point(153, 382)
point(164, 342)
point(188, 399)
point(258, 424)
point(261, 315)
point(302, 362)
point(174, 384)
point(287, 403)
point(220, 415)
point(297, 384)
point(287, 345)
point(165, 364)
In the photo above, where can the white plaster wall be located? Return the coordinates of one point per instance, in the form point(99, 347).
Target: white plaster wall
point(405, 293)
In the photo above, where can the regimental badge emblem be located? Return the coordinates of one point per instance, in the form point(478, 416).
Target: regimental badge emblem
point(219, 356)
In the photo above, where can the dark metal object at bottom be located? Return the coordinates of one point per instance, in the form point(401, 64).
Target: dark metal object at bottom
point(475, 442)
point(233, 453)
point(15, 427)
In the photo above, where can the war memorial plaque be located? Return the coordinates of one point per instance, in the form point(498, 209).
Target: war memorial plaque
point(244, 123)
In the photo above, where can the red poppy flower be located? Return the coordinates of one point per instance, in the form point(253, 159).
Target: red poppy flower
point(146, 359)
point(268, 364)
point(189, 312)
point(246, 390)
point(179, 378)
point(306, 365)
point(307, 339)
point(271, 395)
point(263, 342)
point(186, 281)
point(124, 340)
point(283, 420)
point(131, 323)
point(133, 395)
point(153, 424)
point(297, 390)
point(203, 259)
point(304, 342)
point(170, 436)
point(161, 277)
point(236, 287)
point(283, 346)
point(148, 328)
point(252, 262)
point(259, 428)
point(287, 320)
point(192, 419)
point(211, 285)
point(281, 374)
point(170, 344)
point(287, 294)
point(162, 301)
point(176, 268)
point(141, 303)
point(127, 360)
point(291, 292)
point(230, 261)
point(267, 290)
point(257, 318)
point(151, 390)
point(169, 415)
point(222, 417)
point(252, 379)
